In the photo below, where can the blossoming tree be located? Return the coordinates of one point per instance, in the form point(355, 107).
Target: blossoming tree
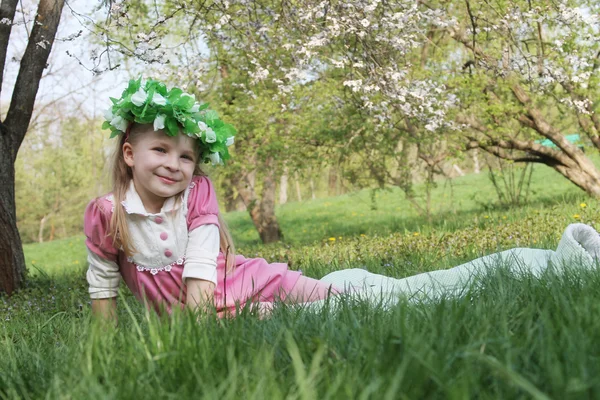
point(500, 76)
point(529, 77)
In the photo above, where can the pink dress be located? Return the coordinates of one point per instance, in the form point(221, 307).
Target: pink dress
point(162, 287)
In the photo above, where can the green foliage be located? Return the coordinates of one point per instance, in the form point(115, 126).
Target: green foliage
point(59, 169)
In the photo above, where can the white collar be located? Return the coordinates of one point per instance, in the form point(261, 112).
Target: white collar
point(133, 203)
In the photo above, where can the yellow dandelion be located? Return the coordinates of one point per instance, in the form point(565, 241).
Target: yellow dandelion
point(416, 234)
point(33, 262)
point(339, 237)
point(583, 205)
point(362, 235)
point(576, 216)
point(332, 239)
point(504, 217)
point(486, 217)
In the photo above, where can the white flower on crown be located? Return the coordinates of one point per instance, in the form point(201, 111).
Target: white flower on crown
point(215, 158)
point(120, 123)
point(195, 108)
point(139, 97)
point(159, 100)
point(210, 135)
point(203, 127)
point(159, 122)
point(229, 141)
point(108, 114)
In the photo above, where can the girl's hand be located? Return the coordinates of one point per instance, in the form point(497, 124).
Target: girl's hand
point(105, 309)
point(200, 295)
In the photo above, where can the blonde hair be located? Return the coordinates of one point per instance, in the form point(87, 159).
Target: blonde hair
point(121, 179)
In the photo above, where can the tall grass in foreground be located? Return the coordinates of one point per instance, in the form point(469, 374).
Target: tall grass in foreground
point(527, 338)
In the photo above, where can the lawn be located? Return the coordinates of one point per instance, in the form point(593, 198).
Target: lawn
point(527, 338)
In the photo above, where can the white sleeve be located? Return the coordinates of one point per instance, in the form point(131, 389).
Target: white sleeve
point(201, 253)
point(103, 276)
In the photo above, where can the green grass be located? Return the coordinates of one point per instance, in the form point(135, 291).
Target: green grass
point(516, 339)
point(527, 338)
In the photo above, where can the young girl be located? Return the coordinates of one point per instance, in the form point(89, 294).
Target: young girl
point(160, 228)
point(161, 231)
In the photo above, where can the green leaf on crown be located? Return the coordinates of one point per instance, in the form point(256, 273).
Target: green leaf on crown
point(172, 126)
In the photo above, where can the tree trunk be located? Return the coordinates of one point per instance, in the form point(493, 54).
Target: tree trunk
point(333, 181)
point(261, 210)
point(264, 215)
point(15, 125)
point(476, 168)
point(41, 231)
point(12, 261)
point(298, 190)
point(283, 187)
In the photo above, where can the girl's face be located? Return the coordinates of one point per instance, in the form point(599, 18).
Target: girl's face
point(162, 165)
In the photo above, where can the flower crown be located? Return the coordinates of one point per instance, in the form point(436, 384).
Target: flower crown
point(174, 111)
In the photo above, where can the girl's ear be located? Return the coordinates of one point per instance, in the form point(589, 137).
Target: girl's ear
point(128, 154)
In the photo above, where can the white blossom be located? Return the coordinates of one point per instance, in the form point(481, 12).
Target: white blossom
point(355, 85)
point(215, 158)
point(108, 114)
point(210, 136)
point(120, 123)
point(203, 127)
point(139, 97)
point(159, 100)
point(159, 122)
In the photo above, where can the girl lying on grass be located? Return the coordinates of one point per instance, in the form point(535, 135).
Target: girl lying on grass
point(161, 231)
point(160, 228)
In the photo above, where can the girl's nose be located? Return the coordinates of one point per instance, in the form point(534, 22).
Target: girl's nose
point(172, 163)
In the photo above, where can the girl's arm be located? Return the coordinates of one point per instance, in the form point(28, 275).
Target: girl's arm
point(105, 309)
point(200, 294)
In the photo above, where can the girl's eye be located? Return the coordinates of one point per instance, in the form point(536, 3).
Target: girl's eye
point(187, 157)
point(159, 149)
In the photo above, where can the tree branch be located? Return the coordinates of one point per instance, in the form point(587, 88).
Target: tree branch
point(31, 69)
point(7, 13)
point(542, 126)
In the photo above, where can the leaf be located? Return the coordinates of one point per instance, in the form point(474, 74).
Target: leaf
point(105, 125)
point(174, 95)
point(185, 102)
point(228, 130)
point(210, 116)
point(172, 126)
point(217, 147)
point(191, 126)
point(134, 85)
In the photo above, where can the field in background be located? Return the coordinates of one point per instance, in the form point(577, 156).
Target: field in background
point(462, 203)
point(524, 338)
